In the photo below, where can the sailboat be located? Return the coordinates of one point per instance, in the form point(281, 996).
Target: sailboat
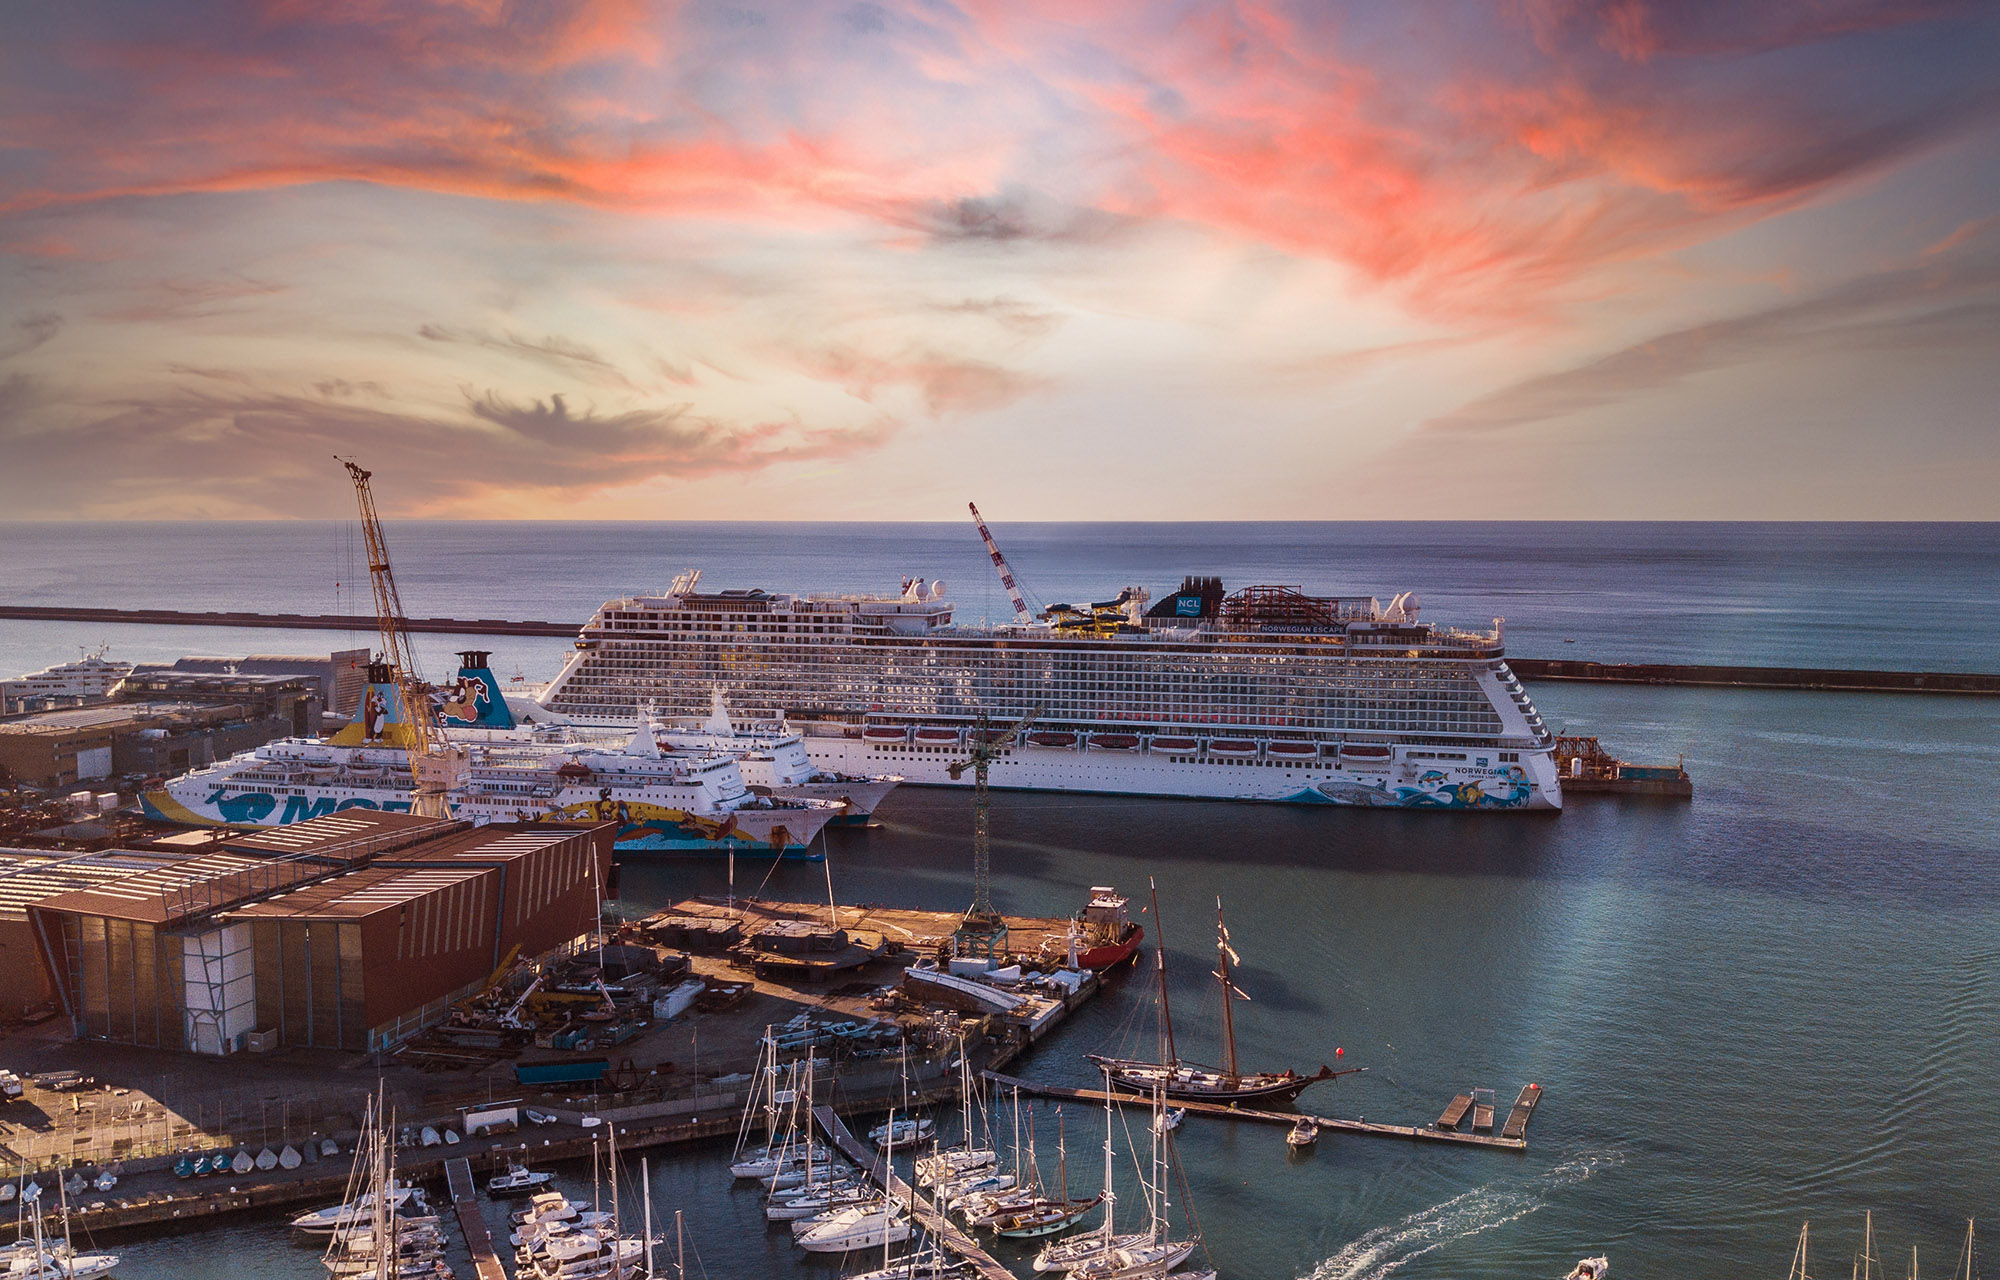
point(1103, 1241)
point(1187, 1081)
point(1047, 1217)
point(1157, 1253)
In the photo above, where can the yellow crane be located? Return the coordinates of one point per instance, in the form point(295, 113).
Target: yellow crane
point(436, 767)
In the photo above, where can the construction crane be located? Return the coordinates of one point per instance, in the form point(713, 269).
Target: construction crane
point(436, 767)
point(1021, 614)
point(982, 931)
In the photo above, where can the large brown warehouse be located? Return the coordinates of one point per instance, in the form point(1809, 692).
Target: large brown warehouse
point(352, 931)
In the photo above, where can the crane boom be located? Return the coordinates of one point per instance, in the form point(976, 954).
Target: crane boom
point(434, 765)
point(1021, 613)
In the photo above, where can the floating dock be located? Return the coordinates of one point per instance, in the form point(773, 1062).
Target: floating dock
point(478, 1240)
point(1586, 767)
point(928, 1216)
point(1363, 1128)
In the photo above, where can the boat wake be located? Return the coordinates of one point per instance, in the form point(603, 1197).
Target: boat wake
point(1385, 1250)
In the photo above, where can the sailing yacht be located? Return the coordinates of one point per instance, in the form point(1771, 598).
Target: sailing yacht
point(1187, 1081)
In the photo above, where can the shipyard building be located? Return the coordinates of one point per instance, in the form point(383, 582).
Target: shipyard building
point(352, 931)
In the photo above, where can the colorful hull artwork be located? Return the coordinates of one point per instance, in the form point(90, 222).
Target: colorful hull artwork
point(644, 828)
point(1506, 788)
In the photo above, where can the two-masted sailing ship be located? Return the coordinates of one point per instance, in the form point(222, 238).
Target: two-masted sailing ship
point(1187, 1081)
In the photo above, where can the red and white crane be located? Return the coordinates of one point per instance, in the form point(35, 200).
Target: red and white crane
point(1021, 613)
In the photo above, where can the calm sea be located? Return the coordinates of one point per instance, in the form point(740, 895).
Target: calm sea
point(1778, 1002)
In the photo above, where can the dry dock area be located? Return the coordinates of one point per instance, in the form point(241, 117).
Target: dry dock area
point(1439, 1133)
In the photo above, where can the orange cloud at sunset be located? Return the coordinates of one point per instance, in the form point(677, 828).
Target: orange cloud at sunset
point(623, 253)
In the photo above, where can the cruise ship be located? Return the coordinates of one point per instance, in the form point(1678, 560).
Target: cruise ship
point(1267, 693)
point(665, 800)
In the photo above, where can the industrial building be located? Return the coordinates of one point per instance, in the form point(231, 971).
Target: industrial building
point(160, 722)
point(352, 931)
point(340, 676)
point(30, 875)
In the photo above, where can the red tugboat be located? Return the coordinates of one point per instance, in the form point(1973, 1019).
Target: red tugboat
point(1110, 937)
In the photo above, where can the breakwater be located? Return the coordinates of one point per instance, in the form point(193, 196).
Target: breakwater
point(1821, 679)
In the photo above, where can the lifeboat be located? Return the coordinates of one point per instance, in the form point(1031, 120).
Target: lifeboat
point(1052, 739)
point(1231, 747)
point(937, 734)
point(1292, 750)
point(1176, 744)
point(575, 770)
point(1114, 741)
point(885, 733)
point(1375, 751)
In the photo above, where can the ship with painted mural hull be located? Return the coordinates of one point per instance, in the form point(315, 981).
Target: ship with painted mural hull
point(666, 801)
point(1267, 693)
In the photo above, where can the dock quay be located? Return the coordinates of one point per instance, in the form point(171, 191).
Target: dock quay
point(465, 1201)
point(681, 1078)
point(1441, 1132)
point(928, 1216)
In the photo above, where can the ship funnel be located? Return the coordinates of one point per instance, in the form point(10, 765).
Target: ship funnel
point(474, 700)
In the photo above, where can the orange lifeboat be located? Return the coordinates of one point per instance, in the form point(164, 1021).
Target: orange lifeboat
point(937, 735)
point(1052, 738)
point(1231, 747)
point(886, 733)
point(1114, 741)
point(1174, 743)
point(1292, 750)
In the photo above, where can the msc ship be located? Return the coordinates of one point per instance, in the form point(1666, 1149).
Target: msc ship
point(1264, 694)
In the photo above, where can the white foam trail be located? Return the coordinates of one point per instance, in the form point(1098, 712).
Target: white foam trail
point(1384, 1250)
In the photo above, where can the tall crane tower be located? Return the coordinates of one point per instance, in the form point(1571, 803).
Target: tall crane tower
point(435, 765)
point(982, 932)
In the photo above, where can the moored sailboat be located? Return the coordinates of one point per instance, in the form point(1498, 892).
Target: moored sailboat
point(1187, 1081)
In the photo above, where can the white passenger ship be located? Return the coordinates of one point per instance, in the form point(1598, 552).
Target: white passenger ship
point(1264, 694)
point(664, 799)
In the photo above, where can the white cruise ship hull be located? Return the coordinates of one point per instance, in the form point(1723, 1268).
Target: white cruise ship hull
point(1483, 780)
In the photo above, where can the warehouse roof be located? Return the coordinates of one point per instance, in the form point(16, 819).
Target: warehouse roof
point(357, 893)
point(184, 887)
point(30, 875)
point(491, 844)
point(350, 835)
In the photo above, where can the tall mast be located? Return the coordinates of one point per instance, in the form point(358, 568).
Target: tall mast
point(1110, 1196)
point(1160, 955)
point(1225, 954)
point(1021, 613)
point(646, 1188)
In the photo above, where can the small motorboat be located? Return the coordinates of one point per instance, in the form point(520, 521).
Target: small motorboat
point(539, 1117)
point(1590, 1269)
point(903, 1133)
point(244, 1162)
point(518, 1180)
point(429, 1137)
point(290, 1158)
point(1303, 1135)
point(1168, 1121)
point(267, 1159)
point(451, 1137)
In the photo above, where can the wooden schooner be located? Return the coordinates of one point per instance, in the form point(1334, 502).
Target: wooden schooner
point(1187, 1081)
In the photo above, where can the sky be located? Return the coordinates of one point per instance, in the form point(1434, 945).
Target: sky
point(1070, 260)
